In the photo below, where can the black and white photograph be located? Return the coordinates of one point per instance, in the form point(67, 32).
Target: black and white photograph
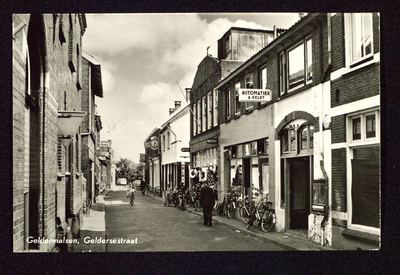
point(196, 132)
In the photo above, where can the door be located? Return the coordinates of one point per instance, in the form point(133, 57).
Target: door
point(299, 185)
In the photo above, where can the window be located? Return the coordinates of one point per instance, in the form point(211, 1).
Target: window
point(263, 79)
point(228, 103)
point(363, 178)
point(237, 102)
point(194, 114)
point(168, 140)
point(296, 67)
point(363, 127)
point(249, 85)
point(204, 112)
point(215, 107)
point(163, 142)
point(360, 36)
point(210, 110)
point(306, 137)
point(199, 116)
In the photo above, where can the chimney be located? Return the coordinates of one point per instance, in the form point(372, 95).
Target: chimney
point(177, 105)
point(188, 90)
point(171, 110)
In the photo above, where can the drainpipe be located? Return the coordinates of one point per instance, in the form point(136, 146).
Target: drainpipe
point(326, 191)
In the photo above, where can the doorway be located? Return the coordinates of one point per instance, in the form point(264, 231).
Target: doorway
point(299, 192)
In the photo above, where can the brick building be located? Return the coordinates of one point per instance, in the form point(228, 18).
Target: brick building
point(355, 135)
point(234, 47)
point(307, 145)
point(47, 179)
point(92, 87)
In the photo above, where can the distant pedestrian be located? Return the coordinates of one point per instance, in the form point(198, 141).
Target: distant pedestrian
point(207, 201)
point(132, 191)
point(142, 185)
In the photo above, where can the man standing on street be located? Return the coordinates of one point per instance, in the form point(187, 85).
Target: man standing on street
point(207, 201)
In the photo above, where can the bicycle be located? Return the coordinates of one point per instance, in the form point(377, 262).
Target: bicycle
point(262, 215)
point(232, 201)
point(244, 208)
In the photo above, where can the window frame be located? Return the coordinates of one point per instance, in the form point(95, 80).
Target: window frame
point(263, 79)
point(204, 113)
point(236, 96)
point(350, 29)
point(350, 146)
point(228, 104)
point(215, 104)
point(284, 65)
point(249, 105)
point(194, 119)
point(209, 110)
point(199, 117)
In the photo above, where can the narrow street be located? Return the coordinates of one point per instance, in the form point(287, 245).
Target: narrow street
point(159, 228)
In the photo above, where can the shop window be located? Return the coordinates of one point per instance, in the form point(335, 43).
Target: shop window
point(239, 151)
point(237, 102)
point(247, 148)
point(296, 67)
point(359, 31)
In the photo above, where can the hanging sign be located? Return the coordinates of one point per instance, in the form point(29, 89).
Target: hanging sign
point(254, 95)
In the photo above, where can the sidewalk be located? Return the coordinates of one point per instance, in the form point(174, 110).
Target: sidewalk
point(285, 240)
point(94, 228)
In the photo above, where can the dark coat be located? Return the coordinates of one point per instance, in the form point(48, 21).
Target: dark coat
point(207, 197)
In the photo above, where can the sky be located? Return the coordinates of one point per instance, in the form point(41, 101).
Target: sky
point(146, 59)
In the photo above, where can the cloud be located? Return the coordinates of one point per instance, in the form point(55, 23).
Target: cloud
point(142, 57)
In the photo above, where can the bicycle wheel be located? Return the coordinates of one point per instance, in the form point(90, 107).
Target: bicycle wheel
point(244, 214)
point(231, 210)
point(267, 221)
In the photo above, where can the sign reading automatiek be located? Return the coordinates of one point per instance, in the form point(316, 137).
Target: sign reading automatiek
point(254, 95)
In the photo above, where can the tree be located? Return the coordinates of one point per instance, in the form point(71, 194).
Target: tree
point(128, 169)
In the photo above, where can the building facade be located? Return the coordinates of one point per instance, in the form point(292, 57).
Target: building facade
point(91, 125)
point(355, 131)
point(234, 47)
point(152, 160)
point(47, 113)
point(174, 138)
point(306, 145)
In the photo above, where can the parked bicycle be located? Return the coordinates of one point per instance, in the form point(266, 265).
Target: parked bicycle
point(262, 215)
point(232, 202)
point(244, 208)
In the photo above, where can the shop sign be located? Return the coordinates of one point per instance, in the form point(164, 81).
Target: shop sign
point(212, 141)
point(185, 149)
point(254, 95)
